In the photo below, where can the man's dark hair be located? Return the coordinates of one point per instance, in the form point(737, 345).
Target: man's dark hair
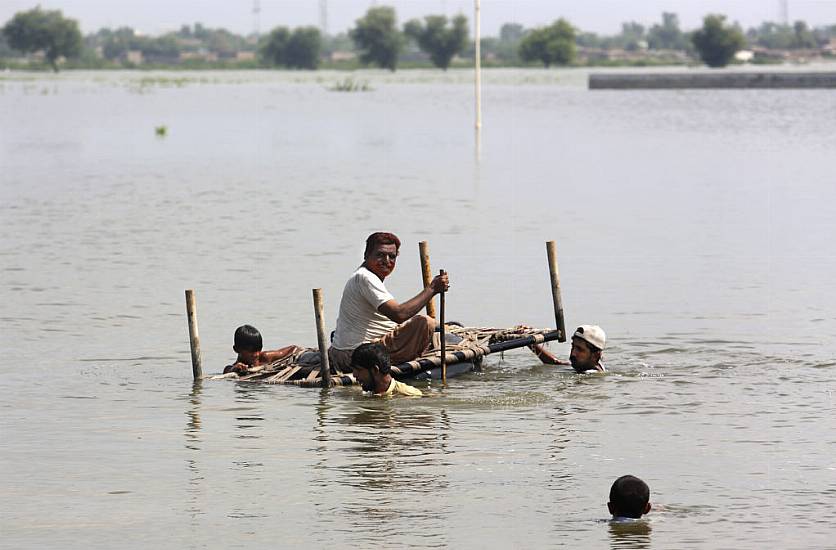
point(368, 356)
point(247, 338)
point(629, 496)
point(381, 238)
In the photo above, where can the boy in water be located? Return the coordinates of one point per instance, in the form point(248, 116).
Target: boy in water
point(248, 347)
point(629, 498)
point(371, 367)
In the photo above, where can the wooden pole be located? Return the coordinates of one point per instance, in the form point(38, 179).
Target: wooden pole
point(321, 339)
point(551, 250)
point(443, 337)
point(194, 339)
point(426, 273)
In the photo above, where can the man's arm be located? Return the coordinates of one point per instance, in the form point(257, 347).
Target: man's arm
point(546, 356)
point(400, 313)
point(265, 357)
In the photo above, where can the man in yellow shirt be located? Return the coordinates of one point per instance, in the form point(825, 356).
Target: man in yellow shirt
point(371, 367)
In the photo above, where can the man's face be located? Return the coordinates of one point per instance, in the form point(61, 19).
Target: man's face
point(582, 356)
point(246, 355)
point(364, 376)
point(381, 260)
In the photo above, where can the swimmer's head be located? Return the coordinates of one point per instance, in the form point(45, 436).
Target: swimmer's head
point(370, 364)
point(247, 339)
point(629, 497)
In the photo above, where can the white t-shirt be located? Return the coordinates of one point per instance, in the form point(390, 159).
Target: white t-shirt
point(359, 321)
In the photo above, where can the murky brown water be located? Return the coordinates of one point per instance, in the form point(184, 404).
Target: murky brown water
point(695, 227)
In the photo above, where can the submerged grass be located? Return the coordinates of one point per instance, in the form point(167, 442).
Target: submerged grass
point(348, 84)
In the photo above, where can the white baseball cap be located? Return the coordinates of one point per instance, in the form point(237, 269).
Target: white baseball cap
point(592, 334)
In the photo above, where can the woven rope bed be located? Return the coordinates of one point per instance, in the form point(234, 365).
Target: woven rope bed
point(463, 345)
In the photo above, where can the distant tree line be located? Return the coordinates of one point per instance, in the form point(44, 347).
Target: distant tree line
point(378, 40)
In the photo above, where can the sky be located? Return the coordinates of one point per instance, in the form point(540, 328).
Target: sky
point(600, 16)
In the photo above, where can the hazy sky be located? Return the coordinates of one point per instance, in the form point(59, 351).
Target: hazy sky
point(602, 16)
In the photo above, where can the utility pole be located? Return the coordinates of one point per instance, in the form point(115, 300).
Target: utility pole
point(256, 19)
point(323, 17)
point(785, 12)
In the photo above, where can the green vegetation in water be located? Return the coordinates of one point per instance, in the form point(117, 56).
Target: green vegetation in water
point(351, 85)
point(161, 131)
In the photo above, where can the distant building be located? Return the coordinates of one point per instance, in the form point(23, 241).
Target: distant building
point(245, 56)
point(744, 56)
point(200, 56)
point(134, 56)
point(343, 56)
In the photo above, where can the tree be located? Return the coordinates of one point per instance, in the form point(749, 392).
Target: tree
point(667, 36)
point(552, 44)
point(632, 36)
point(772, 36)
point(803, 36)
point(303, 48)
point(116, 44)
point(299, 49)
point(511, 32)
point(378, 38)
point(716, 41)
point(273, 47)
point(50, 31)
point(438, 40)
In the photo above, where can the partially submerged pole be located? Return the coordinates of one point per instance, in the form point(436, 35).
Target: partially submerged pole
point(551, 250)
point(322, 341)
point(426, 273)
point(194, 339)
point(443, 336)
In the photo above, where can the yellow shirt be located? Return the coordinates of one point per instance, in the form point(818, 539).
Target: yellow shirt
point(399, 388)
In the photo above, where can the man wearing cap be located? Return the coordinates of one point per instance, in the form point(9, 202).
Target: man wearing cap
point(587, 346)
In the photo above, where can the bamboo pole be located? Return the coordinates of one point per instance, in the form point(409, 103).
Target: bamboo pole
point(194, 338)
point(426, 273)
point(425, 363)
point(322, 341)
point(551, 251)
point(443, 336)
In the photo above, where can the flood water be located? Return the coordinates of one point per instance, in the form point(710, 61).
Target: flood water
point(696, 227)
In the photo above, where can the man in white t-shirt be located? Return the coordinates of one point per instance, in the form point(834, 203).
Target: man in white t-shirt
point(369, 313)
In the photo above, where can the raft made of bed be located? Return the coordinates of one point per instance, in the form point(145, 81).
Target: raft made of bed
point(465, 348)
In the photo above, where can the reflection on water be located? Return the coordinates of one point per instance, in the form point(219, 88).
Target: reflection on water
point(195, 489)
point(629, 534)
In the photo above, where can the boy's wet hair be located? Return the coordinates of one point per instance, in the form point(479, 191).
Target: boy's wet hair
point(629, 496)
point(381, 238)
point(247, 338)
point(368, 356)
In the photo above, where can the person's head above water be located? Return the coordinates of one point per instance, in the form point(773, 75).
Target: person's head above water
point(587, 347)
point(381, 253)
point(247, 339)
point(629, 497)
point(371, 365)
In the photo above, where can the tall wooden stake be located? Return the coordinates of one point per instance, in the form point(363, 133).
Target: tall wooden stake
point(426, 273)
point(551, 250)
point(443, 336)
point(321, 339)
point(194, 339)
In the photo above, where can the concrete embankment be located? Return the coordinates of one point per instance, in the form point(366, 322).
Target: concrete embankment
point(696, 80)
